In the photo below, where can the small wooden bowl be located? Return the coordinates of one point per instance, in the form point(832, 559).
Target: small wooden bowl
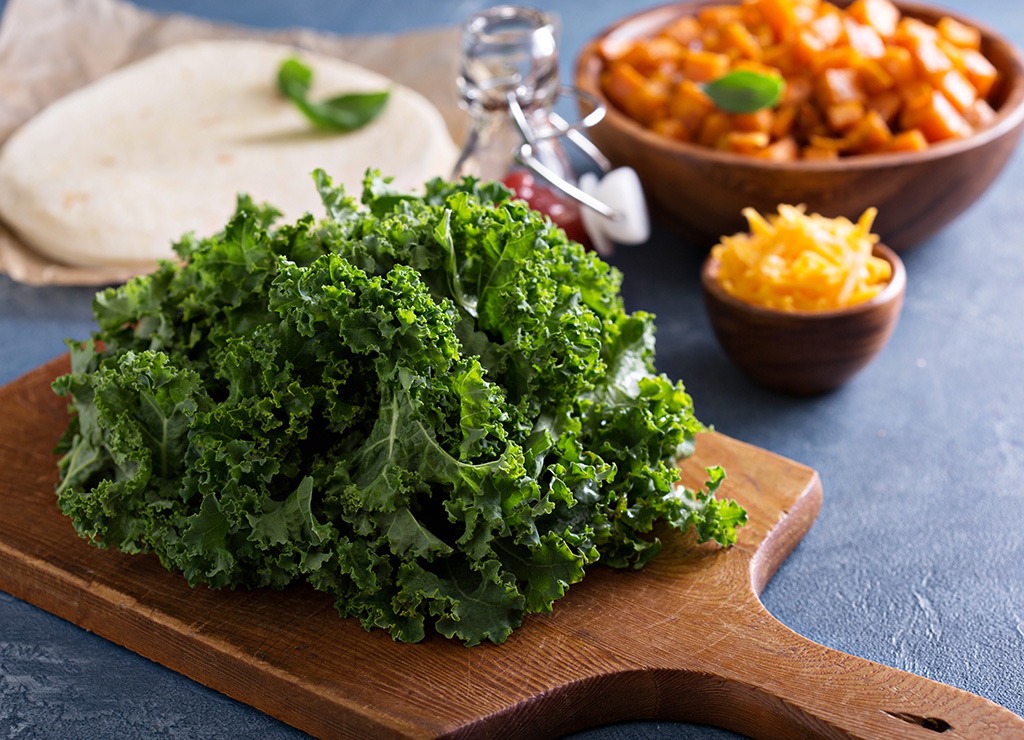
point(702, 192)
point(803, 353)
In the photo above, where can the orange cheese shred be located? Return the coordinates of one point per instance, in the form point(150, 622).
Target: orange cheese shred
point(792, 261)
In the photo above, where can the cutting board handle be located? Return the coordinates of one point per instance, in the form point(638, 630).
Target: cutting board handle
point(779, 684)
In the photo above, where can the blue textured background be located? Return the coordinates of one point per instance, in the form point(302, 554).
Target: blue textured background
point(917, 558)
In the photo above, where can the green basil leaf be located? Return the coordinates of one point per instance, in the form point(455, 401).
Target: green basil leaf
point(345, 112)
point(294, 78)
point(744, 91)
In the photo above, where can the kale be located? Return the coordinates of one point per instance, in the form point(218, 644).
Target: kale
point(432, 407)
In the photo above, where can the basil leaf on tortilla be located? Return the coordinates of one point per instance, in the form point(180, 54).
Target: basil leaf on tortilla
point(345, 112)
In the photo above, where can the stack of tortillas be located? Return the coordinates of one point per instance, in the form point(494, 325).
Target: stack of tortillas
point(117, 171)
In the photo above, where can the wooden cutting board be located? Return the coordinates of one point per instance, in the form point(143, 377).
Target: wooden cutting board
point(685, 639)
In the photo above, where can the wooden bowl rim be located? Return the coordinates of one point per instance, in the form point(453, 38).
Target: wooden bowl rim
point(1009, 116)
point(892, 291)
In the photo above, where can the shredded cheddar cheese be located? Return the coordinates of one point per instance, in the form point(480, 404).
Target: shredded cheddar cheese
point(792, 261)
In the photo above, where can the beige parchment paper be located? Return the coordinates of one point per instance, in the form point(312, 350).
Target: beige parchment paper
point(48, 48)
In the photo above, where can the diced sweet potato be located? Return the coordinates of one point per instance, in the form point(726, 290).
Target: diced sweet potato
point(654, 55)
point(880, 15)
point(899, 63)
point(760, 120)
point(857, 79)
point(958, 89)
point(828, 26)
point(869, 134)
point(672, 128)
point(780, 15)
point(684, 31)
point(886, 104)
point(784, 149)
point(738, 37)
point(911, 140)
point(936, 118)
point(689, 104)
point(845, 115)
point(704, 66)
point(980, 72)
point(980, 113)
point(632, 92)
point(930, 59)
point(838, 85)
point(783, 122)
point(814, 153)
point(958, 33)
point(719, 15)
point(864, 39)
point(745, 142)
point(874, 78)
point(714, 126)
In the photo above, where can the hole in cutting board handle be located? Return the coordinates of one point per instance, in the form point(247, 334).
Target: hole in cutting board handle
point(929, 723)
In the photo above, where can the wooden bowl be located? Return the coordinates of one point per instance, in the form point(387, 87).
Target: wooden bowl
point(803, 352)
point(702, 192)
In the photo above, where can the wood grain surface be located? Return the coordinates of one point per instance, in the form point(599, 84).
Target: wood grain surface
point(686, 638)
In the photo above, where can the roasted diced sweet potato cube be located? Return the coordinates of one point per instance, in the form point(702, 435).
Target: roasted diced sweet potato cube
point(907, 141)
point(782, 150)
point(936, 117)
point(719, 15)
point(684, 31)
point(714, 126)
point(980, 71)
point(870, 133)
point(980, 113)
point(886, 104)
point(844, 57)
point(634, 93)
point(740, 39)
point(874, 78)
point(845, 115)
point(784, 120)
point(817, 154)
point(809, 118)
point(838, 85)
point(864, 39)
point(959, 33)
point(958, 89)
point(828, 26)
point(807, 46)
point(672, 128)
point(744, 142)
point(654, 55)
point(911, 31)
point(780, 15)
point(759, 120)
point(899, 62)
point(689, 104)
point(782, 57)
point(797, 89)
point(704, 66)
point(930, 59)
point(880, 15)
point(824, 143)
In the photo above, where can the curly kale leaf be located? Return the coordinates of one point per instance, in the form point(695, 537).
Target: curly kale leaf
point(433, 408)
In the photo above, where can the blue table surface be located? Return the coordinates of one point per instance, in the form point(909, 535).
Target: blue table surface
point(916, 560)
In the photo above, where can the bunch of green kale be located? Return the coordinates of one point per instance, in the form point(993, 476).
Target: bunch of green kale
point(433, 408)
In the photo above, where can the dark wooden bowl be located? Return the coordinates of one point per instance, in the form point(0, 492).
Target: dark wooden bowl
point(702, 191)
point(803, 352)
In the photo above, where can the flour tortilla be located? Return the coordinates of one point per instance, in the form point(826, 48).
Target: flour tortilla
point(117, 171)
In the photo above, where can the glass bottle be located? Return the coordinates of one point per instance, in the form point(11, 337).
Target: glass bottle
point(509, 81)
point(509, 58)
